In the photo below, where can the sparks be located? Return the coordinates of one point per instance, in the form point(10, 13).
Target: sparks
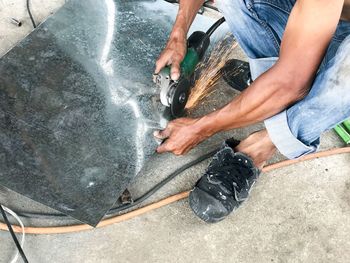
point(210, 71)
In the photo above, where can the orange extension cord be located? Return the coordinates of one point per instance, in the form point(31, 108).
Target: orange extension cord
point(161, 203)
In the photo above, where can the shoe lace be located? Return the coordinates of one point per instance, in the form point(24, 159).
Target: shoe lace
point(232, 174)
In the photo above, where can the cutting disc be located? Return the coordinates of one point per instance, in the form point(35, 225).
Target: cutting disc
point(178, 96)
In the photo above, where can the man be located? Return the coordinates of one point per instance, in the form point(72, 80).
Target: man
point(297, 54)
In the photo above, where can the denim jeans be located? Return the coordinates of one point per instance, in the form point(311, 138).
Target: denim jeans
point(258, 26)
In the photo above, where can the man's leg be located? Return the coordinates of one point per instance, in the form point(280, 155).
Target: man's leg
point(297, 130)
point(231, 174)
point(258, 27)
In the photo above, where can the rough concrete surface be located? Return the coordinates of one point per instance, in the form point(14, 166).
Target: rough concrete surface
point(299, 213)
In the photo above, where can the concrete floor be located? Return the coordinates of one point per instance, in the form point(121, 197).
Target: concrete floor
point(296, 214)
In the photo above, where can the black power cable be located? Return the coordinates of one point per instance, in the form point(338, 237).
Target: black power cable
point(30, 14)
point(21, 252)
point(210, 6)
point(215, 26)
point(160, 184)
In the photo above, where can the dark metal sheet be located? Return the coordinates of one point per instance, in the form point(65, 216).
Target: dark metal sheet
point(78, 106)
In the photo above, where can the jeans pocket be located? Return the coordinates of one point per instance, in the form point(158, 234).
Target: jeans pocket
point(260, 65)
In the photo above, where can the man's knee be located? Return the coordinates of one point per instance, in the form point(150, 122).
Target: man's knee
point(330, 92)
point(235, 11)
point(339, 76)
point(225, 5)
point(337, 79)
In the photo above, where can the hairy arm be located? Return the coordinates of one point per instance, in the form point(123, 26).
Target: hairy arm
point(175, 50)
point(309, 30)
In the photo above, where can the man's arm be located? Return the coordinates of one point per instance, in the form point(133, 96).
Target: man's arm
point(175, 50)
point(309, 30)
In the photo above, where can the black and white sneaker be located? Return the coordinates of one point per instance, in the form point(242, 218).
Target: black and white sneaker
point(225, 184)
point(236, 73)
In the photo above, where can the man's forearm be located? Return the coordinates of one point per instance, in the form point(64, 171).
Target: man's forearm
point(186, 14)
point(268, 95)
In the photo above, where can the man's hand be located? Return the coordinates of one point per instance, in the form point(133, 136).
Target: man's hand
point(180, 136)
point(175, 50)
point(173, 54)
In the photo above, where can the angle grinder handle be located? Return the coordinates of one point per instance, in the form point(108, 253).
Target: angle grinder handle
point(197, 44)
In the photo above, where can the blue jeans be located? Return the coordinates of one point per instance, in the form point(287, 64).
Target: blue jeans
point(258, 26)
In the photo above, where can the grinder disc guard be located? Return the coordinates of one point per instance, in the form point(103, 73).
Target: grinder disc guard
point(178, 95)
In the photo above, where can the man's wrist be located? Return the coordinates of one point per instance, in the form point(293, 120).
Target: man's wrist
point(181, 25)
point(178, 33)
point(206, 126)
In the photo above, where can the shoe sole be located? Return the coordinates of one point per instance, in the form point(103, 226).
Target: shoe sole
point(206, 207)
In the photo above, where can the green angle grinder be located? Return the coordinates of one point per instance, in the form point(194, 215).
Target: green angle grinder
point(174, 94)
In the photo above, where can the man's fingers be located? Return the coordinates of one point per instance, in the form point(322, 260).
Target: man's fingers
point(164, 147)
point(159, 65)
point(162, 61)
point(166, 59)
point(162, 135)
point(175, 70)
point(168, 146)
